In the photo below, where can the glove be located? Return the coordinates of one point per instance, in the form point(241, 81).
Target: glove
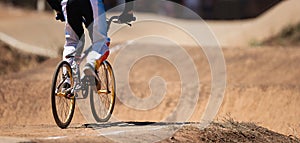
point(60, 16)
point(126, 17)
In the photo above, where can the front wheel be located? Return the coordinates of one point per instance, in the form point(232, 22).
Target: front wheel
point(102, 97)
point(63, 106)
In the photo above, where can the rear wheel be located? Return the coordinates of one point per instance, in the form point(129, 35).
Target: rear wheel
point(63, 106)
point(102, 97)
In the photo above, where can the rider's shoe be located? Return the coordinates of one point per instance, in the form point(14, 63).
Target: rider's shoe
point(89, 70)
point(94, 63)
point(66, 85)
point(66, 88)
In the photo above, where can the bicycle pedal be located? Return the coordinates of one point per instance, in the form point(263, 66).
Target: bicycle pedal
point(70, 96)
point(69, 93)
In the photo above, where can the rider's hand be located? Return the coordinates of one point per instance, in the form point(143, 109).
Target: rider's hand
point(126, 17)
point(60, 16)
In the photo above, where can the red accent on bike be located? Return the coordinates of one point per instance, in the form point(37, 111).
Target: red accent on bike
point(104, 57)
point(107, 44)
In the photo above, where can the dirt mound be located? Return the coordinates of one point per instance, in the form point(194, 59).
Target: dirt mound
point(12, 60)
point(230, 131)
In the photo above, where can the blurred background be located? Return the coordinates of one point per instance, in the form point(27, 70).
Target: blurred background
point(207, 9)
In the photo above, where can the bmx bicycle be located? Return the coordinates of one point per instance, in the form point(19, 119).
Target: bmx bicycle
point(102, 86)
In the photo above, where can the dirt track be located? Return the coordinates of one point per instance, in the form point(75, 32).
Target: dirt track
point(264, 93)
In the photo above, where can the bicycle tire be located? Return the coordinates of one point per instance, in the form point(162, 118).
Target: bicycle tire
point(68, 104)
point(104, 72)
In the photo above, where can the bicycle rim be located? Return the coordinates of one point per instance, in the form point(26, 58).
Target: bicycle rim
point(103, 94)
point(62, 107)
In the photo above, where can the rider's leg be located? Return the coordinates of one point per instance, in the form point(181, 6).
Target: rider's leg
point(98, 35)
point(73, 29)
point(72, 39)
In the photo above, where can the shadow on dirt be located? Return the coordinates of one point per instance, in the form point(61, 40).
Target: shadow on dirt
point(134, 124)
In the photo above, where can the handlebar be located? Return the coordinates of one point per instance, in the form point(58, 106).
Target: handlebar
point(115, 19)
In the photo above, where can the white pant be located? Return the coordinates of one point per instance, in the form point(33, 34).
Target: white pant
point(97, 28)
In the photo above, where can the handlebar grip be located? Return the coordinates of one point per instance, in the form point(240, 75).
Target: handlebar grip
point(115, 19)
